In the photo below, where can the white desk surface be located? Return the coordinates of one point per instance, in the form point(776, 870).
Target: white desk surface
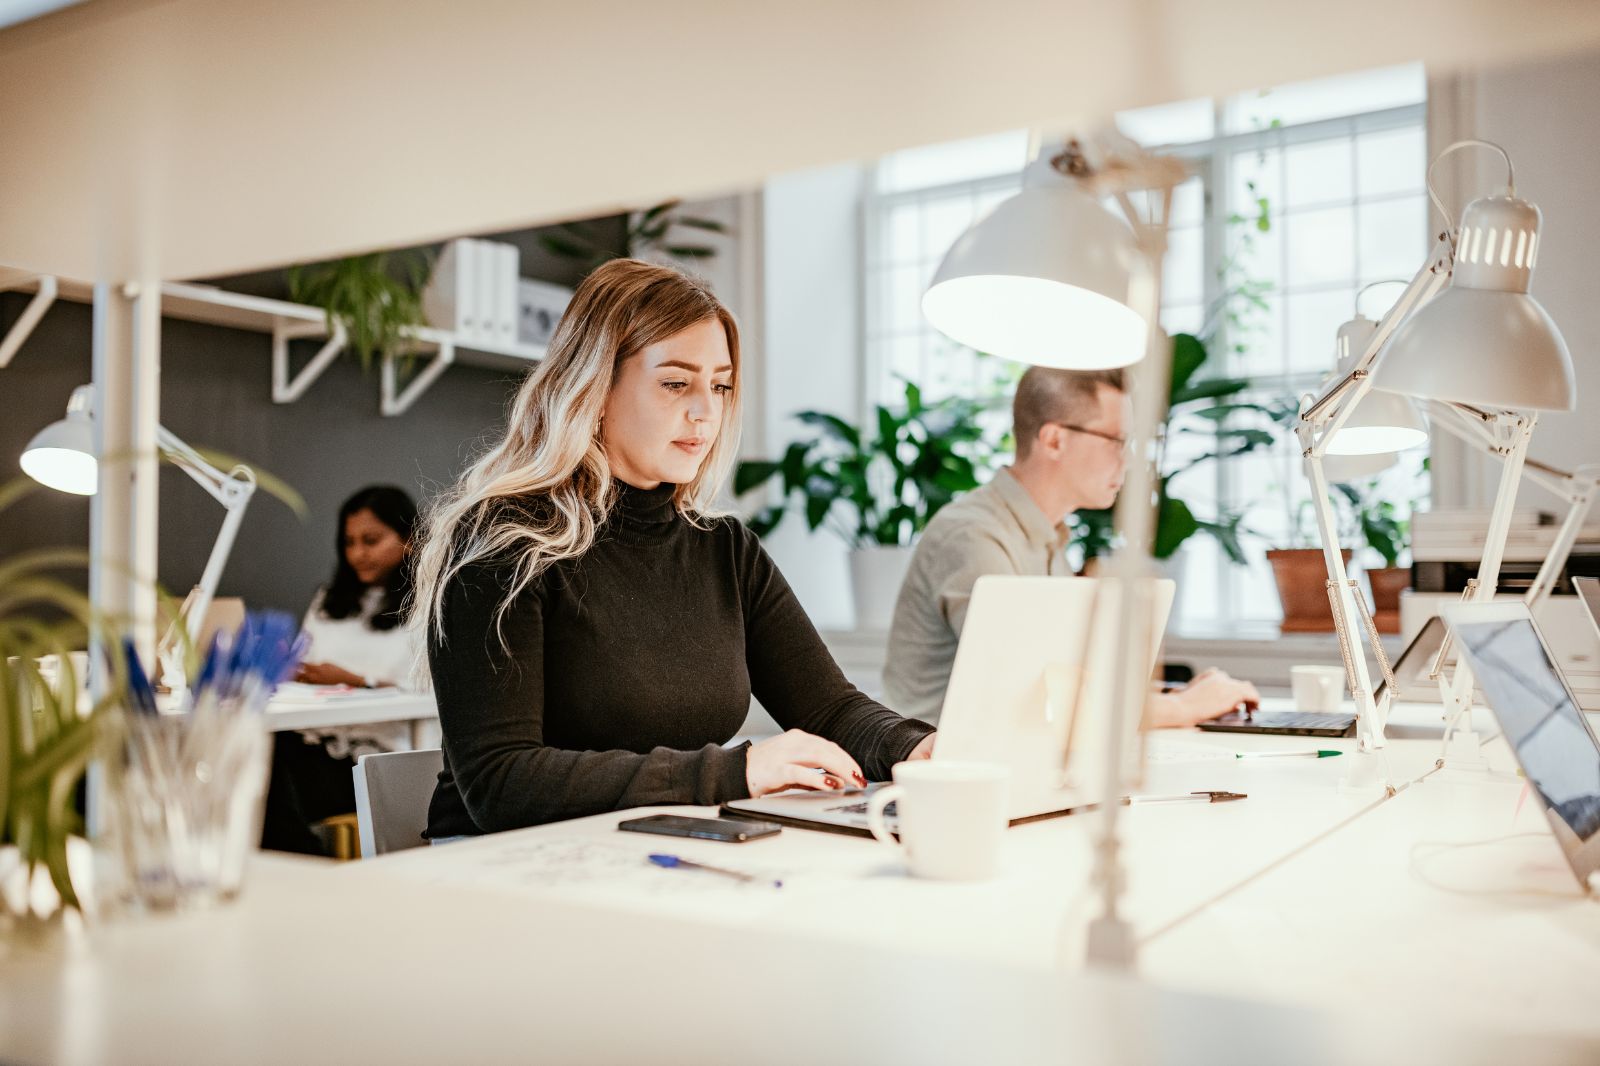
point(353, 708)
point(414, 973)
point(550, 943)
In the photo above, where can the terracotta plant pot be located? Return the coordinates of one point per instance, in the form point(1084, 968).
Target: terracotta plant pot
point(1303, 589)
point(1387, 585)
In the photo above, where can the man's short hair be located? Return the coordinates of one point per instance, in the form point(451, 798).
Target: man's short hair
point(1048, 395)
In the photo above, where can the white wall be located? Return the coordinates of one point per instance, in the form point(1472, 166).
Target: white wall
point(813, 352)
point(1543, 113)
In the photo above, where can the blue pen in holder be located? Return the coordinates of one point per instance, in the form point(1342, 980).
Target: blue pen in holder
point(190, 790)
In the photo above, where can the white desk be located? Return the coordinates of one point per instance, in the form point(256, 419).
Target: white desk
point(356, 708)
point(483, 977)
point(1300, 900)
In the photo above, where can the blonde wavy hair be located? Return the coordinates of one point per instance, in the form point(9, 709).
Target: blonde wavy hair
point(552, 449)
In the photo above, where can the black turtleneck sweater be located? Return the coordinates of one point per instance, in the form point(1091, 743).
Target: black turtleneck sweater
point(629, 667)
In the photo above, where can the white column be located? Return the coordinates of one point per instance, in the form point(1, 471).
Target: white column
point(123, 517)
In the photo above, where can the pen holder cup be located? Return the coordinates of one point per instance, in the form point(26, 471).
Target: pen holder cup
point(188, 795)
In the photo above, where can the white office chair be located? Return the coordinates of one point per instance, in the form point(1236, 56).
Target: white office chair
point(392, 794)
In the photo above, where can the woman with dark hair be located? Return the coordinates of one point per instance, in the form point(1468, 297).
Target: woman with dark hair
point(356, 623)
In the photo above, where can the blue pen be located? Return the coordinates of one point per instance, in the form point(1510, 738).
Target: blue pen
point(673, 862)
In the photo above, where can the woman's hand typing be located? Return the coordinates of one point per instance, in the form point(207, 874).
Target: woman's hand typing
point(798, 759)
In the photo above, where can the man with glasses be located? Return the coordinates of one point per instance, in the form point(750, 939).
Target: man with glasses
point(1072, 452)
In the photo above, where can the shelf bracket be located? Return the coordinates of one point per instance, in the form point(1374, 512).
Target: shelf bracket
point(287, 389)
point(392, 404)
point(23, 327)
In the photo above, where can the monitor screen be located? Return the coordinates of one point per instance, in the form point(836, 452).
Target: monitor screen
point(1541, 721)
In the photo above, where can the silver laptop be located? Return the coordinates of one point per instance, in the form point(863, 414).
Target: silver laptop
point(1031, 658)
point(1539, 714)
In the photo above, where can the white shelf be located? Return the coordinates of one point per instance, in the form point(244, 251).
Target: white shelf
point(285, 322)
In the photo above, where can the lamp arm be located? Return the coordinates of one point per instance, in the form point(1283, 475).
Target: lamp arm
point(233, 490)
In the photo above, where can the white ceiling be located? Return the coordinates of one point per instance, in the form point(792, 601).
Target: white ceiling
point(184, 138)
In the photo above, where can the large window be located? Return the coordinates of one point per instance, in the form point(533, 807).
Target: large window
point(1302, 194)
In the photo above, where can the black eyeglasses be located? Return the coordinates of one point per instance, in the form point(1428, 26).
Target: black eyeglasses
point(1121, 442)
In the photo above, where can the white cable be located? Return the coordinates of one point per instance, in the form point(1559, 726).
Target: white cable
point(1511, 177)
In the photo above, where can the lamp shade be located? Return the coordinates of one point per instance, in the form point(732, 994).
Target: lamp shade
point(1042, 279)
point(61, 455)
point(1357, 467)
point(1484, 340)
point(1383, 422)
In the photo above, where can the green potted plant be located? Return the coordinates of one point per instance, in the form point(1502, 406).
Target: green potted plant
point(377, 310)
point(876, 488)
point(1300, 571)
point(1203, 408)
point(1386, 534)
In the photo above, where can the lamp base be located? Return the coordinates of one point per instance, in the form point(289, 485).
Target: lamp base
point(1111, 944)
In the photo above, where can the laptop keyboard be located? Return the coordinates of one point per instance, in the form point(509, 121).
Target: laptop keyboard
point(861, 808)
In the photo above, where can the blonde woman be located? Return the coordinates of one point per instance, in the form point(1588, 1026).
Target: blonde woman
point(595, 631)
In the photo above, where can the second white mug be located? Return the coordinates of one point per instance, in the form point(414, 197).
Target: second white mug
point(1317, 688)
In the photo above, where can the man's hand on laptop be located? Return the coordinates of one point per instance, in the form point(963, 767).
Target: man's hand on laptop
point(1209, 695)
point(798, 759)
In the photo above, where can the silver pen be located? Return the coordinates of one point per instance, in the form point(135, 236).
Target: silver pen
point(1185, 797)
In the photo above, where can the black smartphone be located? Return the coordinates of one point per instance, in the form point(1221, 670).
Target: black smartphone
point(724, 829)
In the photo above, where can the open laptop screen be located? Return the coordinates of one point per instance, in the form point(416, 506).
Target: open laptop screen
point(1541, 721)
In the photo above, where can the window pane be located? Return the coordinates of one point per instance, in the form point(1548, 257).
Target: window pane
point(1254, 255)
point(1255, 174)
point(1183, 317)
point(953, 161)
point(1184, 269)
point(1392, 161)
point(1262, 341)
point(1312, 319)
point(1310, 101)
point(905, 360)
point(1198, 607)
point(1394, 238)
point(1183, 122)
point(900, 235)
point(1318, 173)
point(1321, 246)
point(903, 297)
point(1189, 203)
point(944, 220)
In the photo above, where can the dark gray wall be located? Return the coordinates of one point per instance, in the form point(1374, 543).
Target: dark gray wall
point(216, 394)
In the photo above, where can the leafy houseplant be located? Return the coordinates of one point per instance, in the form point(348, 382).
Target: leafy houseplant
point(647, 231)
point(1387, 534)
point(877, 491)
point(359, 293)
point(889, 484)
point(1198, 407)
point(46, 740)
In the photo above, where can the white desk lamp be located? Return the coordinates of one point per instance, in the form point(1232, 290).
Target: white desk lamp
point(1465, 337)
point(62, 456)
point(1052, 277)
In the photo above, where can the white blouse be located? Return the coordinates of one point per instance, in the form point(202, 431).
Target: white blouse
point(383, 655)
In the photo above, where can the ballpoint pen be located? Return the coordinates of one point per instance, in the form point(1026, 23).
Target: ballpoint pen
point(1185, 797)
point(1321, 753)
point(673, 862)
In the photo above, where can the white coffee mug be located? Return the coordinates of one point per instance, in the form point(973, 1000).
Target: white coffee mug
point(1317, 688)
point(952, 817)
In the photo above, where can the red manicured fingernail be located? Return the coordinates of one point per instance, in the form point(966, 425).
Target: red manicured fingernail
point(861, 779)
point(831, 782)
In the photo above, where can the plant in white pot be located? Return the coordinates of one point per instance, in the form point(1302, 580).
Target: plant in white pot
point(876, 491)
